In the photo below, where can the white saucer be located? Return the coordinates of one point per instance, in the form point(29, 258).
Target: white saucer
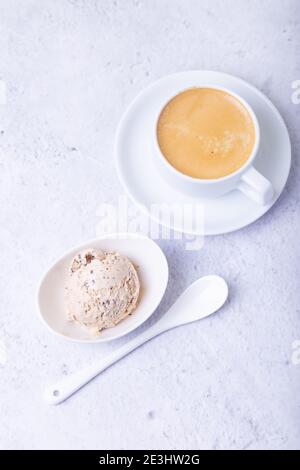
point(144, 184)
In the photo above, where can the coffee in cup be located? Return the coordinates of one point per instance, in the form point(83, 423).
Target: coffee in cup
point(206, 133)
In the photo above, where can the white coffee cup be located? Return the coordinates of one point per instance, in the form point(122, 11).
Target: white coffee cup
point(246, 179)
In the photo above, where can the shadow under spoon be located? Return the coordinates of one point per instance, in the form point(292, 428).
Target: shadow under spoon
point(202, 298)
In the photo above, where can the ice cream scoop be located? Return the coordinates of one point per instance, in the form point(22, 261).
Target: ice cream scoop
point(102, 289)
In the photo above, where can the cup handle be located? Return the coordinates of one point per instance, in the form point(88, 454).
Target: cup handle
point(254, 185)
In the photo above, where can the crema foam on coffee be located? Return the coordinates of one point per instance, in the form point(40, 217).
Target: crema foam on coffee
point(206, 133)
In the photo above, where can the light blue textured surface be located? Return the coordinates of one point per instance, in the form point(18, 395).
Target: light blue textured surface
point(71, 68)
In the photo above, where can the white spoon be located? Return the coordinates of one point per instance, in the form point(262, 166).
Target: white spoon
point(202, 298)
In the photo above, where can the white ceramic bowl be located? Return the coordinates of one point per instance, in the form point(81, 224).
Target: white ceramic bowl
point(153, 274)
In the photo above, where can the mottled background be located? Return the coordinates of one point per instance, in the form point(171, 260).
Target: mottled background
point(70, 69)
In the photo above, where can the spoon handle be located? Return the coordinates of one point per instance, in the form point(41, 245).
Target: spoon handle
point(70, 384)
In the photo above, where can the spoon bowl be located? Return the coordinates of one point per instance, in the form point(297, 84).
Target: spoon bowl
point(202, 298)
point(152, 268)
